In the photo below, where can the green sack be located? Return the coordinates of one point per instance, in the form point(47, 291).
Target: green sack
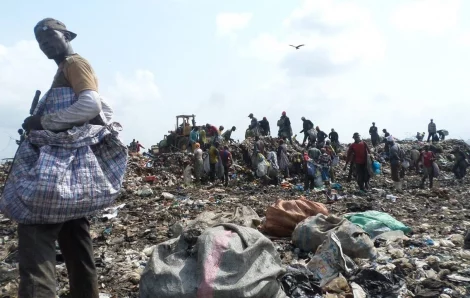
point(374, 222)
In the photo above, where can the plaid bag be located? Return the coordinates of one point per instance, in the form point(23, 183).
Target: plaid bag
point(58, 177)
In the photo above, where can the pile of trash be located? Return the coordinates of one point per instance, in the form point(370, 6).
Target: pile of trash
point(168, 238)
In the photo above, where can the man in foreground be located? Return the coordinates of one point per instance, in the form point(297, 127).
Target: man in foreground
point(85, 167)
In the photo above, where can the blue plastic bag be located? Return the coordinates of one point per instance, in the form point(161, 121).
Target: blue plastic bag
point(376, 167)
point(311, 169)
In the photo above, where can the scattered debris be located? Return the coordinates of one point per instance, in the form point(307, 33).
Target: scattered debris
point(423, 257)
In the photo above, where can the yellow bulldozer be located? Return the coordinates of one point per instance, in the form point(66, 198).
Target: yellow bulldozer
point(178, 139)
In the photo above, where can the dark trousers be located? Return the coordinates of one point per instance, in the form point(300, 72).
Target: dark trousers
point(305, 138)
point(212, 172)
point(375, 141)
point(309, 182)
point(225, 179)
point(362, 175)
point(431, 136)
point(395, 167)
point(460, 170)
point(37, 259)
point(428, 172)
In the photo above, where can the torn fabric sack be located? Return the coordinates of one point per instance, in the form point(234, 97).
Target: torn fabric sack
point(62, 176)
point(226, 261)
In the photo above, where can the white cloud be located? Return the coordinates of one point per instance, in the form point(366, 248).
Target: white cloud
point(229, 23)
point(430, 16)
point(344, 31)
point(23, 70)
point(266, 47)
point(137, 101)
point(141, 88)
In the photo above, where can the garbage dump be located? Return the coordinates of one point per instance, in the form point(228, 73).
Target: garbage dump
point(379, 243)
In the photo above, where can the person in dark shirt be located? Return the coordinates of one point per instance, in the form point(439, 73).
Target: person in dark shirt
point(321, 136)
point(307, 125)
point(265, 129)
point(285, 128)
point(374, 134)
point(226, 158)
point(460, 164)
point(334, 139)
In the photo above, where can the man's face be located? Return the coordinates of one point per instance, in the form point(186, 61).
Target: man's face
point(357, 139)
point(52, 43)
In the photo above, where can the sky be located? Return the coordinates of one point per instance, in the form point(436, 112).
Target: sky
point(398, 63)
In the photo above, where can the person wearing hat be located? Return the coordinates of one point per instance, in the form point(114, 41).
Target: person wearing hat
point(264, 125)
point(254, 125)
point(432, 130)
point(71, 166)
point(307, 125)
point(228, 134)
point(359, 151)
point(285, 128)
point(374, 134)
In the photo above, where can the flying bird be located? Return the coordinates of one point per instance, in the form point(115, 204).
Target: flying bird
point(297, 47)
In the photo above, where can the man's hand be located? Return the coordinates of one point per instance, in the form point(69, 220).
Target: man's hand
point(32, 123)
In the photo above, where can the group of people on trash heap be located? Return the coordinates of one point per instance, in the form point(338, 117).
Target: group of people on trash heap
point(216, 154)
point(422, 160)
point(313, 136)
point(51, 210)
point(319, 156)
point(434, 135)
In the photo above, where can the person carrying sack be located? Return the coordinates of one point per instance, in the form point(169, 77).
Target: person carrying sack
point(71, 165)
